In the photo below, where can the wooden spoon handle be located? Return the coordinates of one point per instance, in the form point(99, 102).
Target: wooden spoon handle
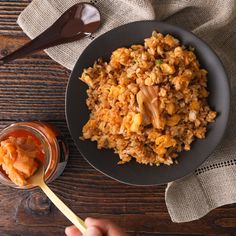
point(78, 222)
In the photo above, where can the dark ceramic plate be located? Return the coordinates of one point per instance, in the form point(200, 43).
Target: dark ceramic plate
point(105, 160)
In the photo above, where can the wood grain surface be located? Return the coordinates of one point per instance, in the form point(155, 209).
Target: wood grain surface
point(33, 88)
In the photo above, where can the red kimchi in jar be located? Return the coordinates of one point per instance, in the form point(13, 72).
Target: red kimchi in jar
point(23, 146)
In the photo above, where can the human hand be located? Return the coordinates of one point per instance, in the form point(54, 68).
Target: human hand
point(96, 227)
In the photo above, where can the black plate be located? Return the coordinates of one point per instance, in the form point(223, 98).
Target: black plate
point(105, 160)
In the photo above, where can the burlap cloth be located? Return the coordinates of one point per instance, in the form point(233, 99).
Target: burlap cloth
point(214, 183)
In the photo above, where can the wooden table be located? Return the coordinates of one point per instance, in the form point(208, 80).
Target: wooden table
point(33, 88)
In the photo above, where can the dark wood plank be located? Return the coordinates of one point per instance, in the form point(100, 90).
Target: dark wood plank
point(34, 88)
point(9, 11)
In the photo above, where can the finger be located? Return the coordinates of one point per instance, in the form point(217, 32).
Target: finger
point(72, 231)
point(107, 227)
point(92, 231)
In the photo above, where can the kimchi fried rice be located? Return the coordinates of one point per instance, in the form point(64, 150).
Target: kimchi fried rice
point(149, 102)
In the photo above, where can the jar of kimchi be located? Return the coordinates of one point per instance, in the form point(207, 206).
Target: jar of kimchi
point(23, 146)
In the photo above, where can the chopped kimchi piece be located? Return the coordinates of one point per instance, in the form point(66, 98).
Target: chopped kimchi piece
point(149, 106)
point(18, 158)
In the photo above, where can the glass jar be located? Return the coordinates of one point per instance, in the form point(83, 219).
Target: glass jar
point(53, 146)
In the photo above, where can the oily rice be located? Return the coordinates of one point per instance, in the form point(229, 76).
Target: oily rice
point(149, 102)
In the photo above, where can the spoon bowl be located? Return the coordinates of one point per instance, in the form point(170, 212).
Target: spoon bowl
point(78, 21)
point(38, 177)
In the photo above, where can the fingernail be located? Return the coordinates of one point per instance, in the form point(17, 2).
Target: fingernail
point(67, 230)
point(88, 220)
point(71, 230)
point(92, 231)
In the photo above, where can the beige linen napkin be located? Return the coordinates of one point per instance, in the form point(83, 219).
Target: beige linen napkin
point(214, 183)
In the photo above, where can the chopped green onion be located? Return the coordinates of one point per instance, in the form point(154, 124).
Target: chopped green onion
point(158, 62)
point(190, 48)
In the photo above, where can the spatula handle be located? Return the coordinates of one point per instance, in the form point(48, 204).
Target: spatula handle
point(78, 222)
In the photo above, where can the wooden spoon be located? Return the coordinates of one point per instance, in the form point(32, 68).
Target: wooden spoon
point(38, 180)
point(77, 22)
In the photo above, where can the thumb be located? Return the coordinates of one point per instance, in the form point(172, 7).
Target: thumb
point(92, 231)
